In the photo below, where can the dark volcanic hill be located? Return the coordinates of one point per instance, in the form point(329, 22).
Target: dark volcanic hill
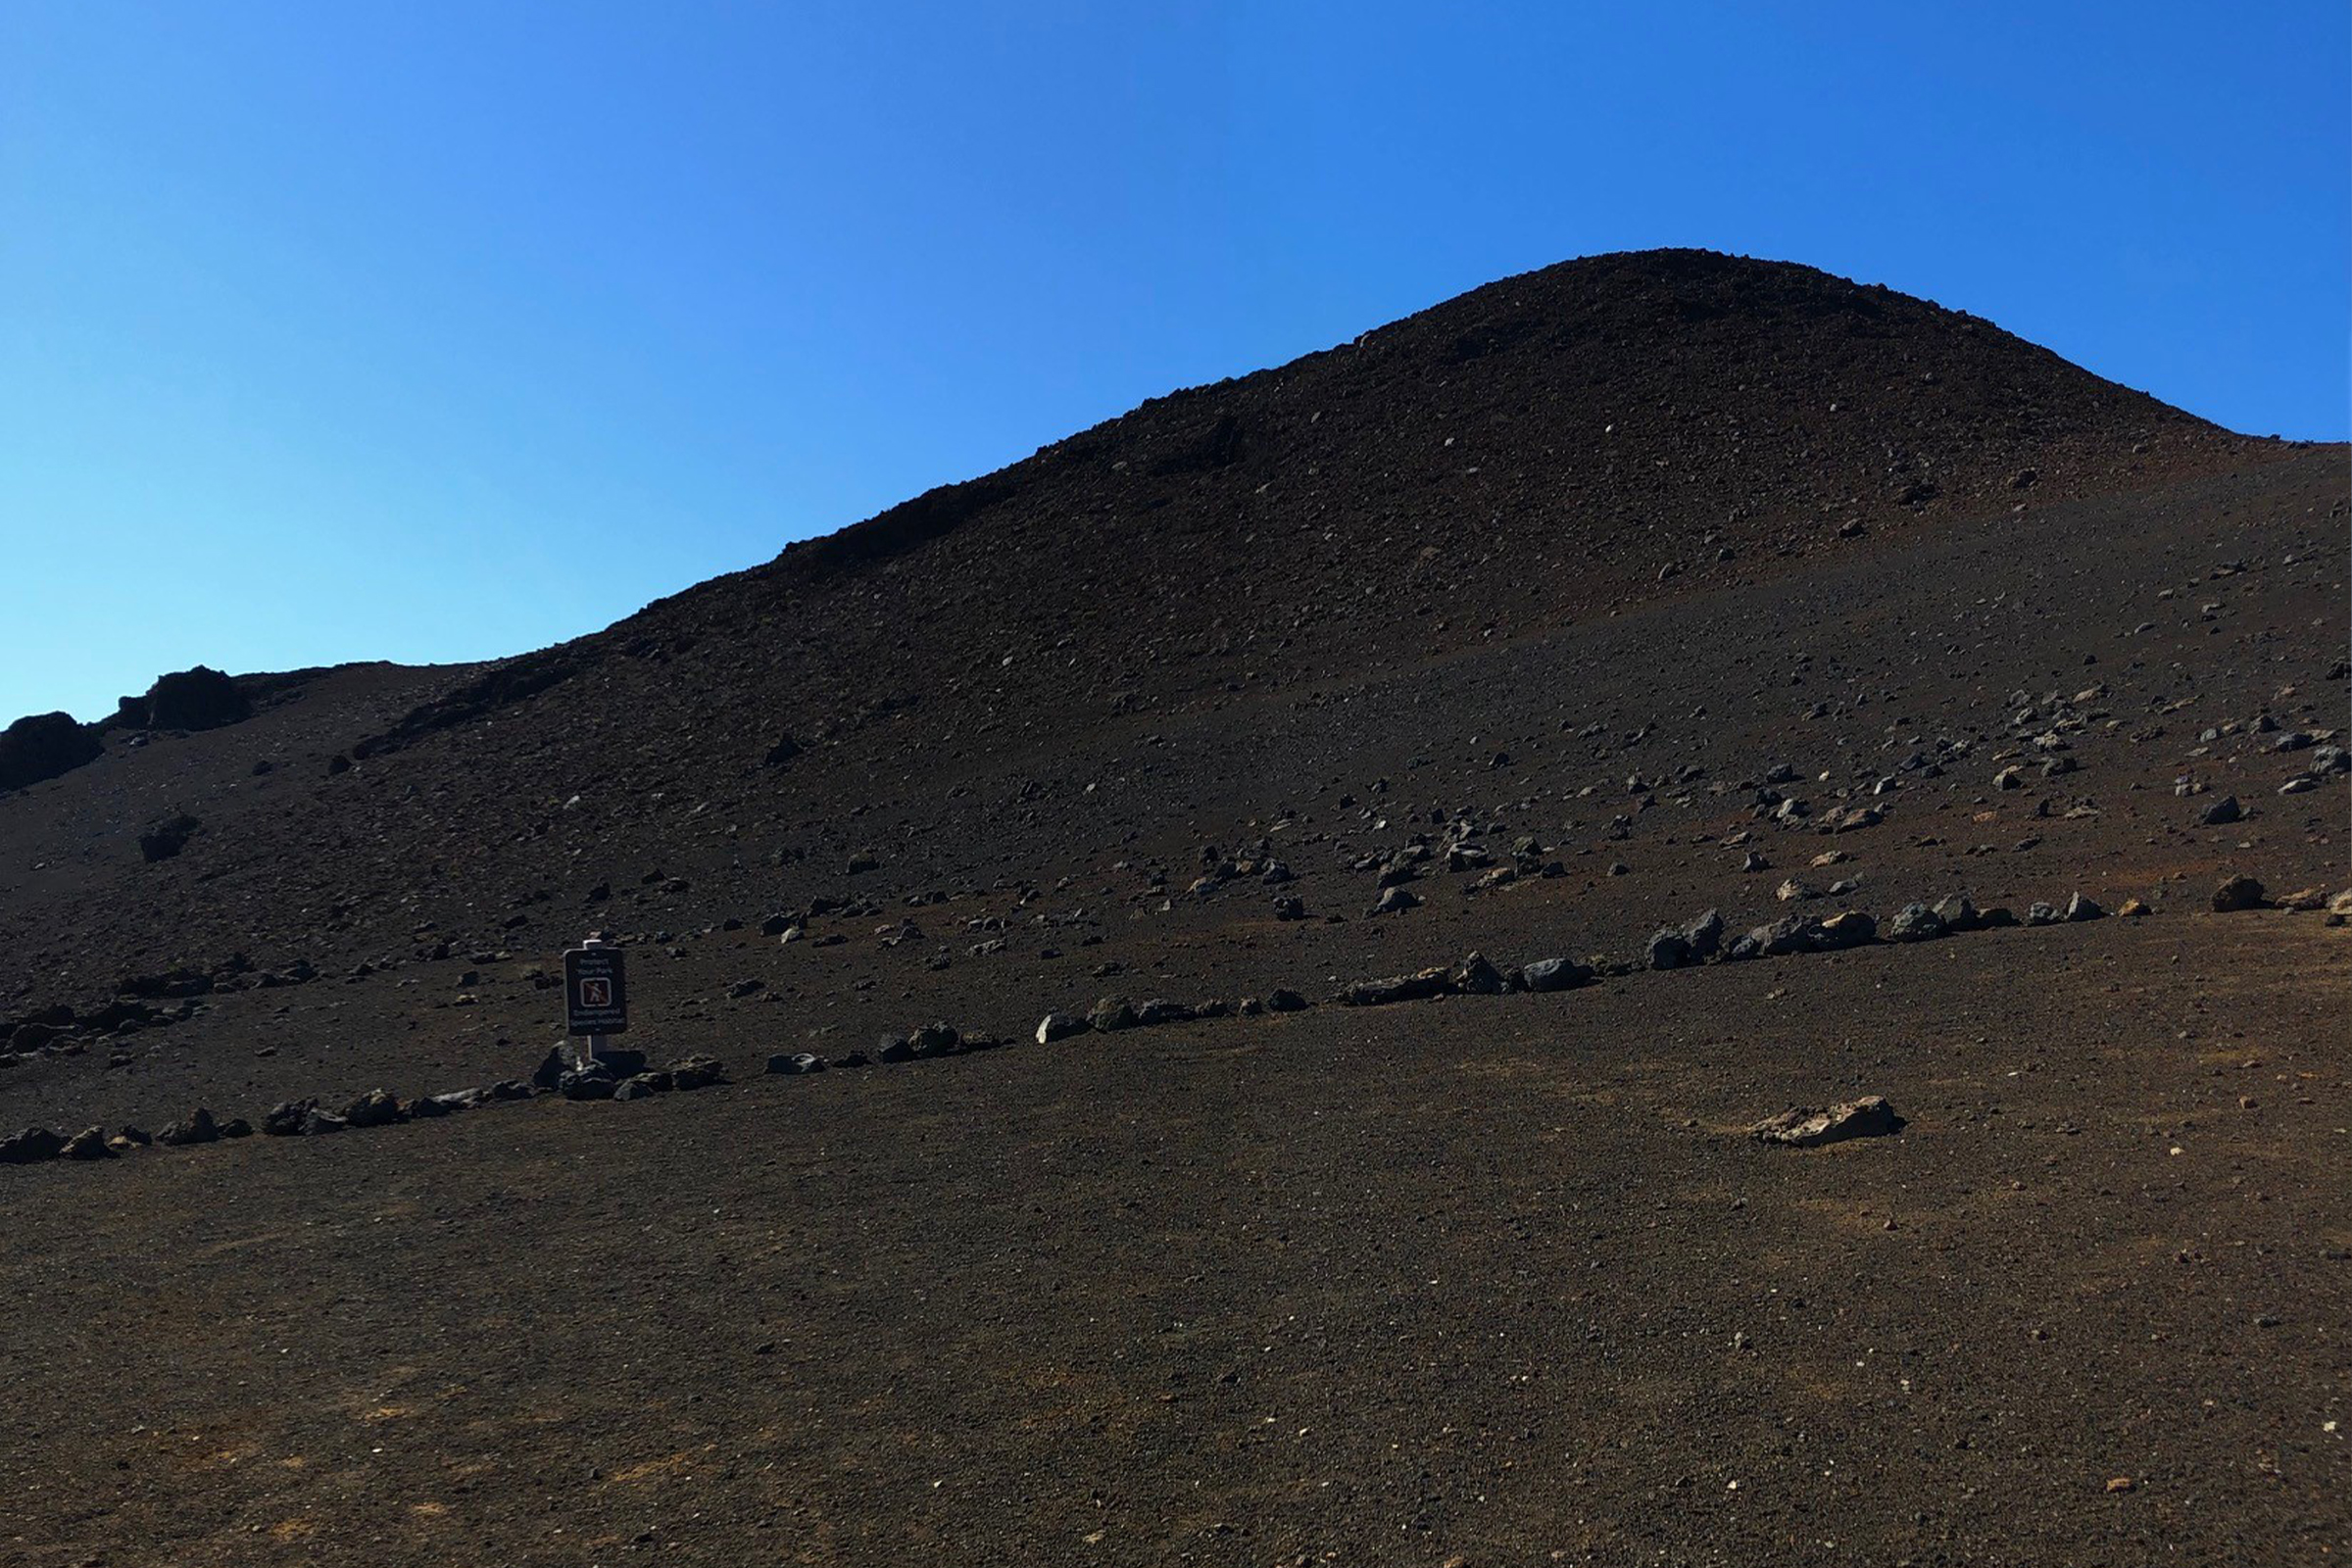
point(1549, 619)
point(1547, 450)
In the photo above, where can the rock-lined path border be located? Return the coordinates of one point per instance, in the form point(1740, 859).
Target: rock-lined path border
point(624, 1075)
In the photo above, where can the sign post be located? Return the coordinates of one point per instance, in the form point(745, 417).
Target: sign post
point(596, 994)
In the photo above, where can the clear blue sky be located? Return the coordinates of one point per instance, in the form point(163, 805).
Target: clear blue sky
point(335, 329)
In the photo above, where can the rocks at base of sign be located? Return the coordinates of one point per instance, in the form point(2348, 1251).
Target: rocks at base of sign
point(595, 1081)
point(551, 1070)
point(2235, 894)
point(1916, 922)
point(196, 1127)
point(374, 1109)
point(796, 1063)
point(29, 1147)
point(1061, 1026)
point(1555, 974)
point(641, 1085)
point(87, 1144)
point(1805, 1128)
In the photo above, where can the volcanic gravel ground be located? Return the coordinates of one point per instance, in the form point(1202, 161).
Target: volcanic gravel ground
point(1490, 1279)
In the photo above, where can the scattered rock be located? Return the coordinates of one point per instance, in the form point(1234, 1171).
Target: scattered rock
point(1396, 901)
point(1915, 922)
point(1396, 988)
point(374, 1109)
point(1280, 999)
point(2080, 908)
point(695, 1073)
point(1111, 1013)
point(1061, 1026)
point(1805, 1128)
point(87, 1144)
point(1958, 913)
point(196, 1127)
point(796, 1064)
point(2238, 893)
point(284, 1119)
point(2221, 813)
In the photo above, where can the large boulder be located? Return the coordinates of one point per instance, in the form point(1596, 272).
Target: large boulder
point(194, 698)
point(42, 746)
point(2235, 894)
point(33, 1145)
point(796, 1063)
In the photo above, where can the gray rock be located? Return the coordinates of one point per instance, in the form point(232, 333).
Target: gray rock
point(1804, 1127)
point(640, 1086)
point(1160, 1010)
point(1396, 901)
point(1667, 950)
point(316, 1123)
point(2221, 813)
point(1282, 999)
point(1704, 936)
point(796, 1063)
point(284, 1119)
point(2079, 908)
point(595, 1082)
point(893, 1048)
point(2039, 914)
point(1848, 928)
point(1111, 1013)
point(1957, 912)
point(1915, 922)
point(1061, 1026)
point(1556, 975)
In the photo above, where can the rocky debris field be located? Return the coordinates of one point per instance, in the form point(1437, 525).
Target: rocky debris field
point(1675, 912)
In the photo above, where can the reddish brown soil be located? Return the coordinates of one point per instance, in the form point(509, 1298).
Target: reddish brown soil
point(1494, 1277)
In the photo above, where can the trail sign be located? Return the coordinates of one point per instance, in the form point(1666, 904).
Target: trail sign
point(596, 993)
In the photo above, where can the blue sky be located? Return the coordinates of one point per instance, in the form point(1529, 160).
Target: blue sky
point(437, 331)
